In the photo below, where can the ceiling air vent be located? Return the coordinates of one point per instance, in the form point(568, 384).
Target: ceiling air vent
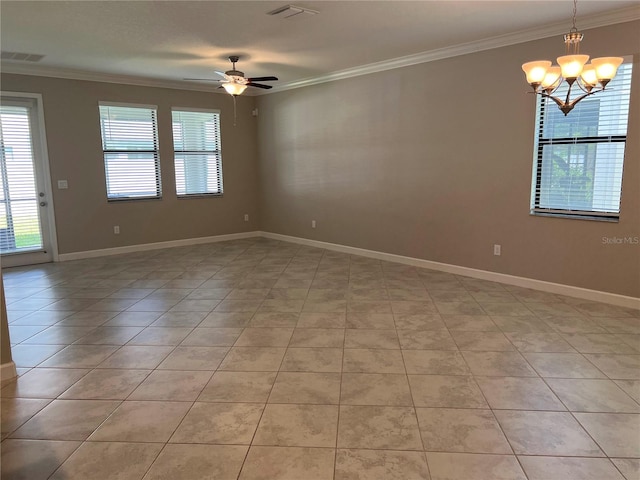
point(289, 11)
point(21, 57)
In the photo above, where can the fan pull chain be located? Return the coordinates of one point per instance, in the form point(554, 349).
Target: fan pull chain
point(234, 110)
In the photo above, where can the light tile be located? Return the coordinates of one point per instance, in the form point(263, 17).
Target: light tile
point(504, 364)
point(16, 411)
point(161, 336)
point(67, 420)
point(446, 391)
point(426, 340)
point(106, 461)
point(434, 362)
point(194, 358)
point(616, 433)
point(173, 385)
point(317, 337)
point(631, 387)
point(136, 421)
point(518, 393)
point(617, 367)
point(298, 426)
point(546, 433)
point(219, 423)
point(33, 459)
point(568, 468)
point(563, 365)
point(482, 341)
point(312, 360)
point(465, 466)
point(238, 387)
point(371, 338)
point(581, 395)
point(253, 359)
point(363, 360)
point(264, 337)
point(140, 357)
point(288, 463)
point(106, 384)
point(630, 467)
point(43, 382)
point(306, 388)
point(369, 427)
point(204, 462)
point(375, 389)
point(461, 430)
point(31, 355)
point(539, 342)
point(354, 464)
point(80, 356)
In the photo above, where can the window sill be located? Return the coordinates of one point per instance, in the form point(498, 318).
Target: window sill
point(570, 216)
point(199, 195)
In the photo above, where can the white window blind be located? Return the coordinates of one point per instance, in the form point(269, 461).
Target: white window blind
point(19, 212)
point(578, 159)
point(130, 145)
point(197, 153)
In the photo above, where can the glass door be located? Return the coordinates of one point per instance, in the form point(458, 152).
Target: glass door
point(24, 206)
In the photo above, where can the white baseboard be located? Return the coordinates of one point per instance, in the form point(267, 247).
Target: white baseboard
point(557, 288)
point(8, 371)
point(65, 257)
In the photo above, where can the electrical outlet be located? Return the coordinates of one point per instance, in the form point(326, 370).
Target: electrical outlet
point(497, 250)
point(116, 229)
point(63, 184)
point(246, 217)
point(313, 224)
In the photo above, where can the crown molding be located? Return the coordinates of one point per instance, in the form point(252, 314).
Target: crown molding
point(594, 21)
point(602, 20)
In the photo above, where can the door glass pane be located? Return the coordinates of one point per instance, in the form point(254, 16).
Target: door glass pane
point(19, 211)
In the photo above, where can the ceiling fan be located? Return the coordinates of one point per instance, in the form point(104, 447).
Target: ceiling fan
point(234, 81)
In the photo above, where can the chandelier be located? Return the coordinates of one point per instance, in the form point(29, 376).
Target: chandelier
point(591, 78)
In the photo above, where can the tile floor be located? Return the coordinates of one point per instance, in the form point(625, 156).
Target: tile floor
point(258, 359)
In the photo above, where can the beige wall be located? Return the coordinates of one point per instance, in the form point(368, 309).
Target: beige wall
point(5, 344)
point(84, 218)
point(434, 161)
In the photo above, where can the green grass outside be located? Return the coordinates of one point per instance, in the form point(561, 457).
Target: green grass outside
point(26, 231)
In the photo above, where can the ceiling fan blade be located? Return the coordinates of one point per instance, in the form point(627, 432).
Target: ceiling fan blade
point(222, 74)
point(262, 79)
point(202, 80)
point(259, 85)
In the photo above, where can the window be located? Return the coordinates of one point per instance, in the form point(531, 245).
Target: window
point(579, 158)
point(196, 145)
point(130, 146)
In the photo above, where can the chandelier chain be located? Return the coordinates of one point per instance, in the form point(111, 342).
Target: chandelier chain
point(575, 10)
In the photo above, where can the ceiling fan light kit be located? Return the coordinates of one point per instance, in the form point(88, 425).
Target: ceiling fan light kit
point(545, 78)
point(234, 82)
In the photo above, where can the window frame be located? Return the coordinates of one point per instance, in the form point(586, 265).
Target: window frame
point(217, 153)
point(540, 142)
point(155, 152)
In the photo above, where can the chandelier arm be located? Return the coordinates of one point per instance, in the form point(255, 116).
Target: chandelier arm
point(559, 102)
point(576, 100)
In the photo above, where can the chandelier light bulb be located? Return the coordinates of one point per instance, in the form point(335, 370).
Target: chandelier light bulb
point(536, 71)
point(589, 76)
point(551, 77)
point(571, 65)
point(606, 67)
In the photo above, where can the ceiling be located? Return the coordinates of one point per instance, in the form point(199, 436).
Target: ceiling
point(163, 42)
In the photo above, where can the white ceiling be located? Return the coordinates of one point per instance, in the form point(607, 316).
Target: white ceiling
point(166, 41)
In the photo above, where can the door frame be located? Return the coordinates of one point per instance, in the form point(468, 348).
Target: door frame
point(41, 151)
